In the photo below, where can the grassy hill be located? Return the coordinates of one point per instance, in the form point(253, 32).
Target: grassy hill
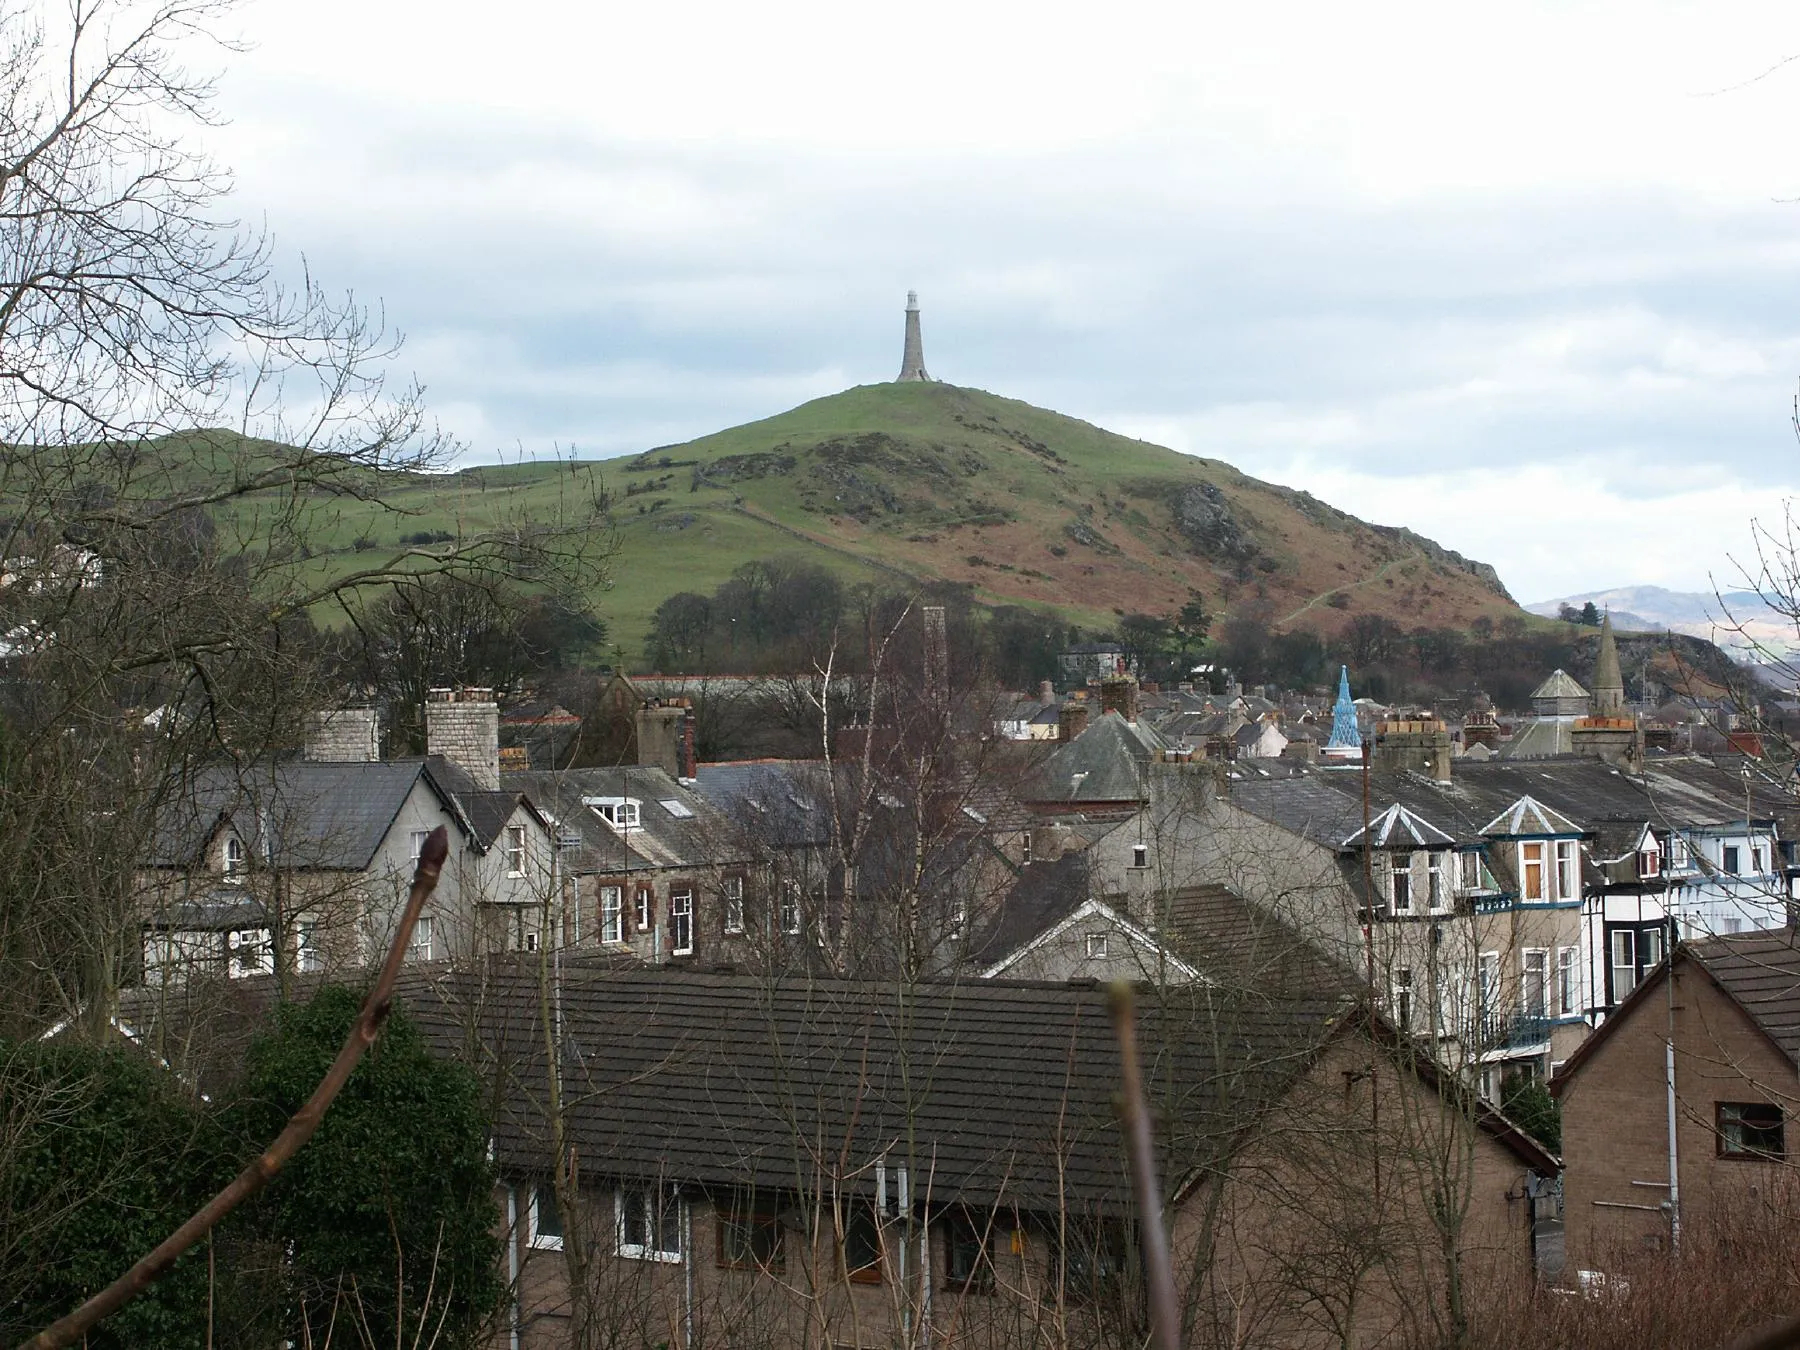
point(912, 482)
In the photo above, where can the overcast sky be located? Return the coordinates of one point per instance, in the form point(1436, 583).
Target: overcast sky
point(1522, 280)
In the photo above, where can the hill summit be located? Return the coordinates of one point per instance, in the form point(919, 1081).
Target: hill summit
point(932, 482)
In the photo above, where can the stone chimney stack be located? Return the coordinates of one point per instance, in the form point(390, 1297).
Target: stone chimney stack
point(912, 360)
point(1416, 745)
point(343, 736)
point(1071, 719)
point(665, 738)
point(1046, 692)
point(463, 725)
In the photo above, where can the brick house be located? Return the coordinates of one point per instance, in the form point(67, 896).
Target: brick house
point(1714, 1034)
point(820, 1162)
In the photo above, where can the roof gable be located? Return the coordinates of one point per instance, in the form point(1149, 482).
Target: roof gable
point(1528, 817)
point(1397, 827)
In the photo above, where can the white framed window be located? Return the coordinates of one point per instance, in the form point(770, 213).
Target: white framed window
point(515, 850)
point(1140, 855)
point(249, 952)
point(423, 946)
point(1025, 846)
point(650, 1223)
point(1531, 871)
point(681, 921)
point(1439, 887)
point(790, 907)
point(543, 1219)
point(1469, 877)
point(622, 813)
point(1624, 963)
point(612, 913)
point(1568, 878)
point(1096, 946)
point(415, 844)
point(643, 904)
point(235, 858)
point(1487, 988)
point(309, 955)
point(1681, 856)
point(1534, 978)
point(1756, 860)
point(1728, 859)
point(1400, 882)
point(1403, 998)
point(734, 904)
point(529, 942)
point(1568, 986)
point(1649, 858)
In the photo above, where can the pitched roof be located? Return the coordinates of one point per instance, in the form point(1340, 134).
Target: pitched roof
point(296, 814)
point(1002, 1089)
point(1561, 684)
point(677, 827)
point(1529, 816)
point(1758, 970)
point(1045, 894)
point(1103, 764)
point(1398, 827)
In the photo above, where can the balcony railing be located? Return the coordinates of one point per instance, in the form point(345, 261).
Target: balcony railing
point(1504, 1028)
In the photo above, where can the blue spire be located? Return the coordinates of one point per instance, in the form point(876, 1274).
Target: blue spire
point(1345, 734)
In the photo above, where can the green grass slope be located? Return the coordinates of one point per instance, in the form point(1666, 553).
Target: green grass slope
point(934, 482)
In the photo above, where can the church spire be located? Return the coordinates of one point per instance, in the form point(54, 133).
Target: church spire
point(1609, 684)
point(1346, 734)
point(912, 363)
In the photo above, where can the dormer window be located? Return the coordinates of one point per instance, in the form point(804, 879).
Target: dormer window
point(1400, 882)
point(1469, 877)
point(1649, 859)
point(1531, 871)
point(235, 858)
point(1568, 884)
point(619, 812)
point(1680, 857)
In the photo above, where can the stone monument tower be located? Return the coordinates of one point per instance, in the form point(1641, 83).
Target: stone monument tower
point(912, 363)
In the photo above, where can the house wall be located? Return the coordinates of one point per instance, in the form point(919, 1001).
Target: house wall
point(1322, 1232)
point(807, 1301)
point(1615, 1120)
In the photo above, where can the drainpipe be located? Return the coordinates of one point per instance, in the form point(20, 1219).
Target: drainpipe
point(1674, 1159)
point(687, 1273)
point(512, 1266)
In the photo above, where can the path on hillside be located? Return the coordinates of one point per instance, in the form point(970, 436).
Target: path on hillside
point(838, 549)
point(1370, 580)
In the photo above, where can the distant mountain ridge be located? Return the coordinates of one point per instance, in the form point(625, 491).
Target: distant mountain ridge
point(1737, 621)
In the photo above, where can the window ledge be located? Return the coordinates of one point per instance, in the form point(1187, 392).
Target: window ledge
point(633, 1252)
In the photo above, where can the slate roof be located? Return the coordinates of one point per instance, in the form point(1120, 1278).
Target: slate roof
point(1589, 795)
point(1045, 894)
point(1560, 685)
point(790, 795)
point(664, 837)
point(296, 814)
point(1103, 764)
point(1396, 827)
point(1004, 1088)
point(1529, 816)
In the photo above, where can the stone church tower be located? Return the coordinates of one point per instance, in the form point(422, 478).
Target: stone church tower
point(1609, 684)
point(912, 363)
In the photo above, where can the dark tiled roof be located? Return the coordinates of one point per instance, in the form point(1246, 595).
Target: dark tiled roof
point(1045, 894)
point(1761, 971)
point(790, 796)
point(1004, 1089)
point(298, 815)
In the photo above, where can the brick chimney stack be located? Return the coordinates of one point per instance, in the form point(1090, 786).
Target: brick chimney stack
point(1071, 720)
point(463, 725)
point(1119, 693)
